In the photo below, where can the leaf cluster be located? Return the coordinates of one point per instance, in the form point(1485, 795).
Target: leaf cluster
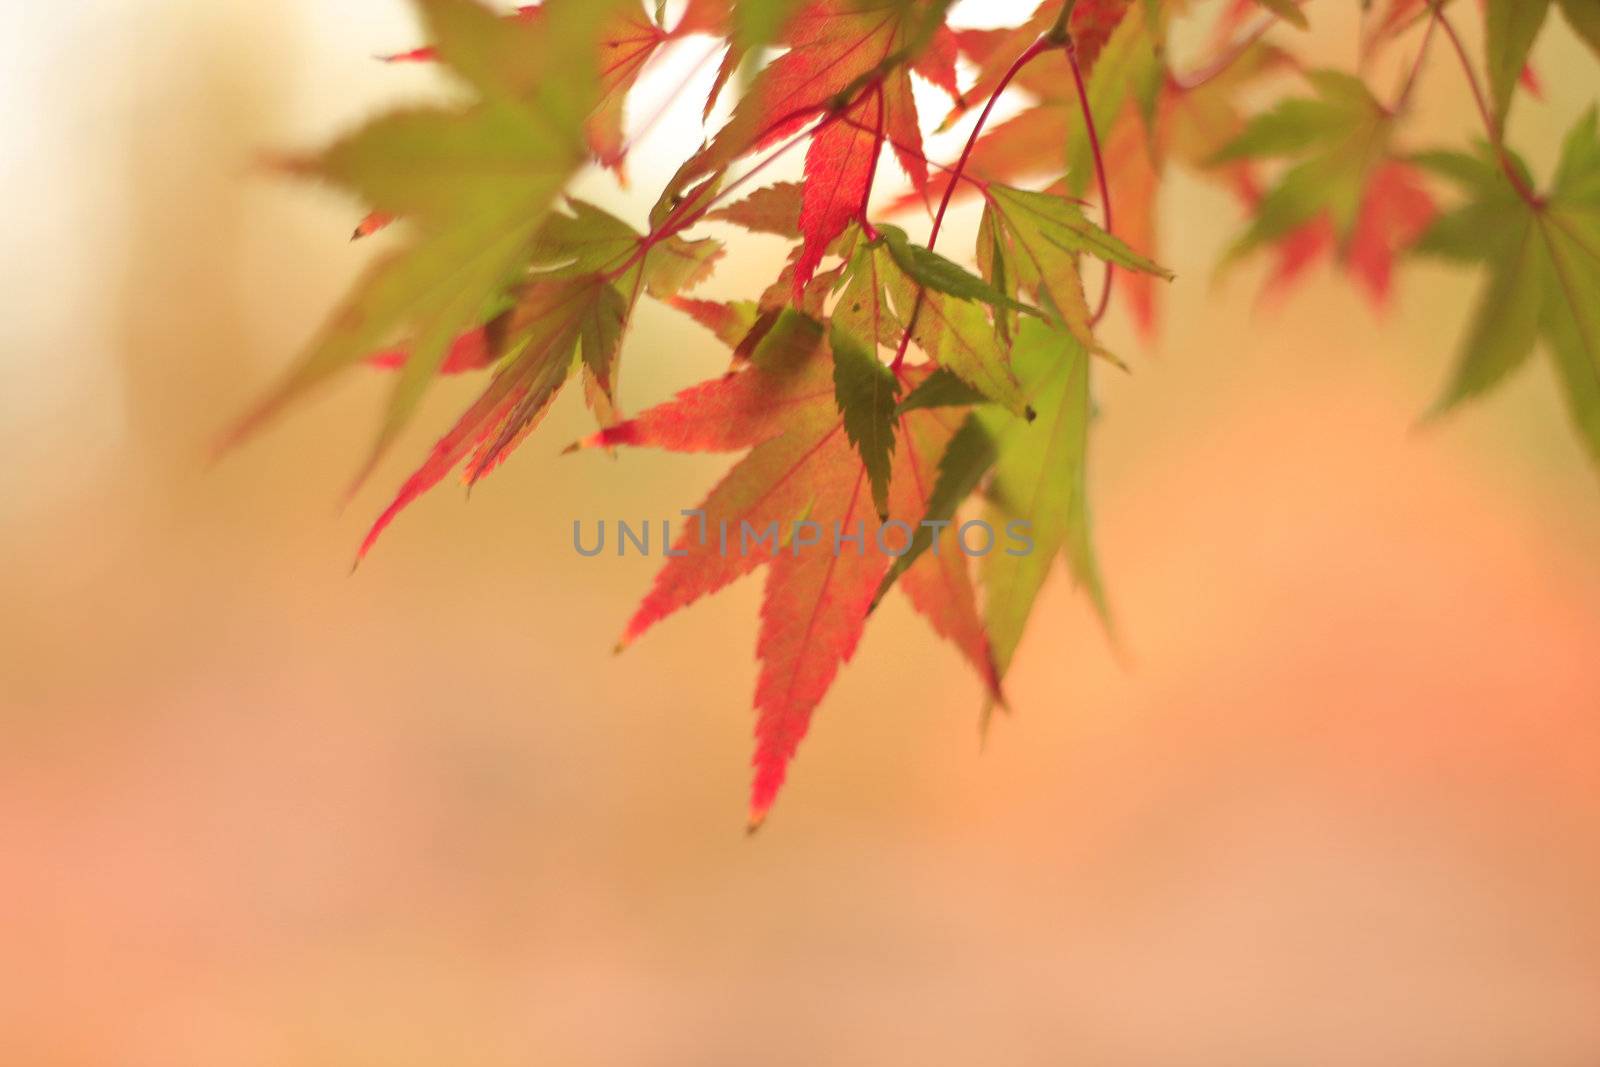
point(880, 390)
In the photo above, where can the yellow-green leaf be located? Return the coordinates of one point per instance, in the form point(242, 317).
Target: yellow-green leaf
point(1040, 484)
point(866, 392)
point(1510, 28)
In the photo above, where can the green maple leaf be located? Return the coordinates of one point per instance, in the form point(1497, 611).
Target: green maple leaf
point(866, 391)
point(1335, 137)
point(1510, 28)
point(863, 307)
point(887, 281)
point(941, 389)
point(1040, 474)
point(1543, 260)
point(967, 460)
point(960, 337)
point(773, 209)
point(1034, 241)
point(934, 272)
point(881, 295)
point(569, 313)
point(555, 322)
point(476, 184)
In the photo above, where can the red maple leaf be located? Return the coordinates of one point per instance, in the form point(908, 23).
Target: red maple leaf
point(834, 47)
point(839, 166)
point(1092, 24)
point(1136, 175)
point(1396, 210)
point(801, 468)
point(551, 315)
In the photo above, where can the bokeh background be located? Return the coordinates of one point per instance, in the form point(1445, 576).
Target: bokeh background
point(1338, 801)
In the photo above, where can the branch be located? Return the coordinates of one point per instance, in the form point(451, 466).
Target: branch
point(1404, 99)
point(1495, 134)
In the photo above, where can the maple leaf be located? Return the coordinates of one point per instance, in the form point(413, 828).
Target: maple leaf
point(852, 59)
point(1342, 188)
point(1395, 212)
point(572, 312)
point(730, 321)
point(477, 184)
point(843, 155)
point(1134, 172)
point(839, 167)
point(956, 334)
point(800, 467)
point(1335, 135)
point(1509, 32)
point(1040, 476)
point(1036, 240)
point(1543, 260)
point(773, 209)
point(553, 317)
point(584, 240)
point(888, 280)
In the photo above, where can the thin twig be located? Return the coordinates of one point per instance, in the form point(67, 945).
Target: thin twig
point(1495, 134)
point(1404, 99)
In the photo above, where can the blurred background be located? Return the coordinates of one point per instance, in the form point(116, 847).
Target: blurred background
point(1338, 803)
